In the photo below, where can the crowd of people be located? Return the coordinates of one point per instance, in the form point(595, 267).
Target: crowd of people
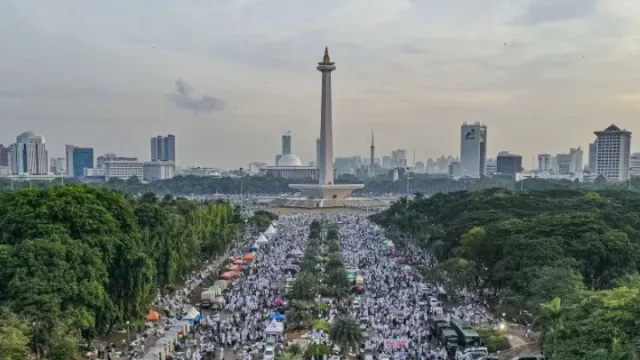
point(393, 306)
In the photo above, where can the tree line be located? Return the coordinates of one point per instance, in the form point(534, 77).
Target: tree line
point(382, 184)
point(577, 252)
point(77, 261)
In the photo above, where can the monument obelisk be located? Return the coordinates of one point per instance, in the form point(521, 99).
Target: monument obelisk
point(325, 193)
point(325, 168)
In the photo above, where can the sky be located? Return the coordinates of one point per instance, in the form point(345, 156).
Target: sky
point(229, 77)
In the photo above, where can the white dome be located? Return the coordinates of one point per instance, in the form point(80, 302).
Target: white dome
point(30, 136)
point(289, 160)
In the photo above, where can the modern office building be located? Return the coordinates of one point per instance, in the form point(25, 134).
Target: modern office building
point(508, 164)
point(613, 152)
point(29, 155)
point(399, 158)
point(123, 168)
point(4, 155)
point(57, 166)
point(634, 164)
point(473, 150)
point(163, 148)
point(491, 168)
point(455, 170)
point(78, 159)
point(158, 170)
point(593, 155)
point(544, 163)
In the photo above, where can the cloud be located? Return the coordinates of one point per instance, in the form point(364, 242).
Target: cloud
point(546, 11)
point(183, 99)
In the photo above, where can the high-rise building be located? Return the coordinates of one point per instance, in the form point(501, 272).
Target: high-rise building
point(613, 153)
point(544, 163)
point(163, 148)
point(634, 164)
point(29, 154)
point(78, 159)
point(4, 155)
point(491, 168)
point(473, 150)
point(593, 155)
point(508, 164)
point(387, 162)
point(58, 166)
point(399, 158)
point(576, 159)
point(286, 143)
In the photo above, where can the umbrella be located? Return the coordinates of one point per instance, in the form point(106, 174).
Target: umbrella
point(229, 275)
point(153, 316)
point(279, 302)
point(277, 316)
point(249, 257)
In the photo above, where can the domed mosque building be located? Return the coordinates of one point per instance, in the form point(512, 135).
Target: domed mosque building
point(289, 166)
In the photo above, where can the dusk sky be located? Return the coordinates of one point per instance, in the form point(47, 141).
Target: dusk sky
point(229, 77)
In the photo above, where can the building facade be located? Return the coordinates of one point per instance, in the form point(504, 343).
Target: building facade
point(163, 148)
point(286, 144)
point(544, 163)
point(613, 152)
point(58, 166)
point(29, 155)
point(473, 150)
point(123, 168)
point(78, 159)
point(491, 168)
point(4, 155)
point(634, 164)
point(508, 164)
point(593, 156)
point(158, 170)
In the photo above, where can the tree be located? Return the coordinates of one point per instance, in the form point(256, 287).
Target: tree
point(300, 315)
point(304, 287)
point(14, 341)
point(618, 351)
point(346, 333)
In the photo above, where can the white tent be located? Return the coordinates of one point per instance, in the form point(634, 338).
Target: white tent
point(270, 231)
point(274, 328)
point(192, 314)
point(262, 239)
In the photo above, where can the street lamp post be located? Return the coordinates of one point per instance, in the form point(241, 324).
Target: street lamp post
point(128, 340)
point(241, 189)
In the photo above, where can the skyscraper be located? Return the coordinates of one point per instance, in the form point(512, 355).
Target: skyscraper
point(29, 154)
point(163, 148)
point(593, 155)
point(78, 159)
point(286, 143)
point(612, 153)
point(473, 150)
point(373, 151)
point(4, 155)
point(508, 164)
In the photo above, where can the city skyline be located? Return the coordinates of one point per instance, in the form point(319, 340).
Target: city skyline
point(525, 70)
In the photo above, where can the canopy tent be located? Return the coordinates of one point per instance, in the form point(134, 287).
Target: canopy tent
point(270, 231)
point(153, 316)
point(274, 328)
point(262, 239)
point(192, 314)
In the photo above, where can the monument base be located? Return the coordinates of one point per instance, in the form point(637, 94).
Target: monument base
point(326, 192)
point(327, 196)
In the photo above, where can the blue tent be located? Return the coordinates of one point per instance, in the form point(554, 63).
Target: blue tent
point(277, 316)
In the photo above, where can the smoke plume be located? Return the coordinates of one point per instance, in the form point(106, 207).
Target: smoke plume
point(183, 98)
